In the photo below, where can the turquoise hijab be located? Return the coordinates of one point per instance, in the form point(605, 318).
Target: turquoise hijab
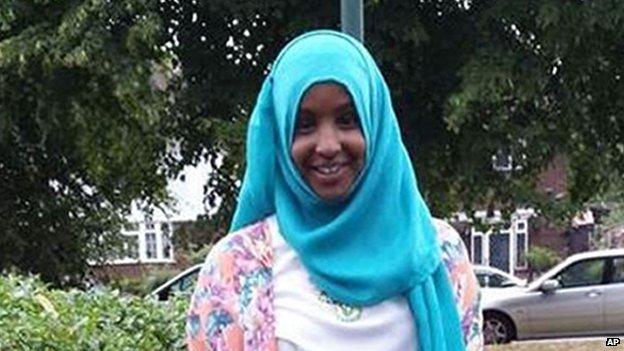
point(378, 243)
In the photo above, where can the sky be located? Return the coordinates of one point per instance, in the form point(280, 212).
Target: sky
point(188, 195)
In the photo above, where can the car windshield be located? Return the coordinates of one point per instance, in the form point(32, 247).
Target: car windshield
point(185, 284)
point(491, 280)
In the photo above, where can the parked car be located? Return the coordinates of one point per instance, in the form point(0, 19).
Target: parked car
point(581, 296)
point(181, 283)
point(490, 277)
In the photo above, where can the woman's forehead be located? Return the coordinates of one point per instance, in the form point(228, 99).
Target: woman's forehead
point(325, 91)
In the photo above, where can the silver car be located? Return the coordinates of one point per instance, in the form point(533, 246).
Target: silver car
point(581, 296)
point(493, 278)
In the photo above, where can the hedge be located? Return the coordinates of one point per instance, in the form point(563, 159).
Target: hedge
point(35, 317)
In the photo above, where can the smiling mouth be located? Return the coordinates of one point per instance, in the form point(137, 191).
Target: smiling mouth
point(328, 170)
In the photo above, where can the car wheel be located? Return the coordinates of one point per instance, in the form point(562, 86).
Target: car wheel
point(497, 329)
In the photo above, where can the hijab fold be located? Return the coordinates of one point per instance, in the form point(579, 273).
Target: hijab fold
point(379, 242)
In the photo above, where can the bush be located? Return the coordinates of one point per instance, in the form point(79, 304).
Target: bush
point(143, 285)
point(133, 286)
point(199, 256)
point(541, 258)
point(35, 317)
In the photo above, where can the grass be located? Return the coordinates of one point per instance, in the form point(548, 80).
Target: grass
point(554, 345)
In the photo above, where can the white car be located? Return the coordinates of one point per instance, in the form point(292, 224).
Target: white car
point(581, 296)
point(182, 283)
point(490, 277)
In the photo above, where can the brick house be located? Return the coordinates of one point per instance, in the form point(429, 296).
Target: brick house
point(147, 247)
point(506, 244)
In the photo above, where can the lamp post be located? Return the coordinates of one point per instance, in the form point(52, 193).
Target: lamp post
point(352, 18)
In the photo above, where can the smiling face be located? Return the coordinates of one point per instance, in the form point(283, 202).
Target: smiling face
point(328, 146)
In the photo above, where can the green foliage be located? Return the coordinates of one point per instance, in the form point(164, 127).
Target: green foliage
point(35, 317)
point(613, 200)
point(546, 80)
point(199, 256)
point(609, 208)
point(532, 80)
point(224, 55)
point(85, 95)
point(144, 284)
point(541, 258)
point(127, 285)
point(101, 100)
point(615, 217)
point(192, 236)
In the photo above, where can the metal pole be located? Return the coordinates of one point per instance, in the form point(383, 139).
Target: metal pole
point(352, 18)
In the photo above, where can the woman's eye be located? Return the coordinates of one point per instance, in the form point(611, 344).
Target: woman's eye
point(348, 119)
point(304, 124)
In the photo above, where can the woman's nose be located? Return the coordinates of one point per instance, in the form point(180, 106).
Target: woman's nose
point(328, 142)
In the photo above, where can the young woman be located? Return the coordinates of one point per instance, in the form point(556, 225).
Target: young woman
point(332, 246)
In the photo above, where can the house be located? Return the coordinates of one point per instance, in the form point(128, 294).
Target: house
point(148, 239)
point(147, 245)
point(505, 243)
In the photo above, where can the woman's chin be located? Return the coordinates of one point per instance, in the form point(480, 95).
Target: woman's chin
point(332, 194)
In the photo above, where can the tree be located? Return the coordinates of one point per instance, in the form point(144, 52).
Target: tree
point(608, 207)
point(546, 80)
point(87, 132)
point(469, 80)
point(224, 49)
point(85, 96)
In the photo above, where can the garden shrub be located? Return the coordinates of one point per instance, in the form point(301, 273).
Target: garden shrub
point(35, 317)
point(542, 258)
point(142, 285)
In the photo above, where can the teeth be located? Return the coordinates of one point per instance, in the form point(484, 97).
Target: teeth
point(328, 170)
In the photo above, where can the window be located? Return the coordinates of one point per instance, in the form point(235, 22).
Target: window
point(502, 161)
point(164, 228)
point(497, 280)
point(521, 249)
point(521, 226)
point(166, 245)
point(618, 270)
point(483, 279)
point(150, 245)
point(492, 280)
point(584, 273)
point(149, 225)
point(186, 283)
point(131, 227)
point(476, 247)
point(131, 246)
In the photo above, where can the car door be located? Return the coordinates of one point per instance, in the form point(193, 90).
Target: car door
point(576, 307)
point(614, 297)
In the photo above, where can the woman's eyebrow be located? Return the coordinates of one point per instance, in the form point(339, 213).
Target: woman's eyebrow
point(345, 106)
point(305, 111)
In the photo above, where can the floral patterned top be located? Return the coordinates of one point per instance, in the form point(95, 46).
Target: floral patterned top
point(231, 308)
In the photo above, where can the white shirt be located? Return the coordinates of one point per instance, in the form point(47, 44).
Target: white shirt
point(308, 320)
